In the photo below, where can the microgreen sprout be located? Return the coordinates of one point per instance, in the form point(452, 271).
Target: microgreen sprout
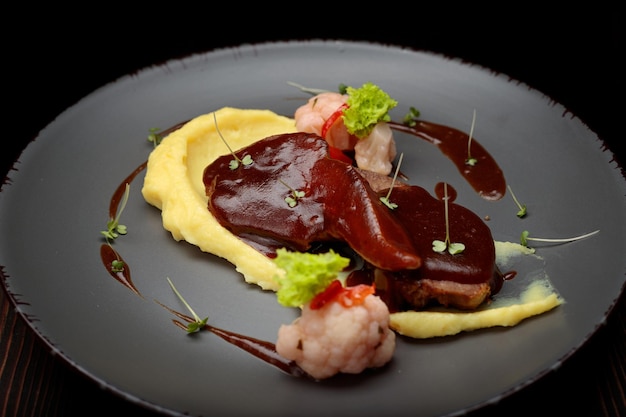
point(292, 199)
point(385, 199)
point(409, 118)
point(114, 228)
point(441, 246)
point(117, 265)
point(470, 160)
point(525, 238)
point(522, 207)
point(154, 136)
point(234, 164)
point(198, 323)
point(312, 91)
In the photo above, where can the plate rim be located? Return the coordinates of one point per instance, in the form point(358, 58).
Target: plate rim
point(7, 182)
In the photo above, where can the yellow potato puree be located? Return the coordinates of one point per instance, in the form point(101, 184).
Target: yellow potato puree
point(538, 298)
point(173, 184)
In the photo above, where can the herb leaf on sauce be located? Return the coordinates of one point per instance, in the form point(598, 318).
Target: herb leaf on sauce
point(198, 323)
point(114, 228)
point(441, 246)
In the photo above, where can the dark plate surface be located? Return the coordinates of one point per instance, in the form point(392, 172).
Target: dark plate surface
point(58, 194)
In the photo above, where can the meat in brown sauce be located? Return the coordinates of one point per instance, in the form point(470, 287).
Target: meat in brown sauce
point(340, 205)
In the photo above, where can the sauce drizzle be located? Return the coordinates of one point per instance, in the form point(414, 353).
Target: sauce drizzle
point(121, 188)
point(262, 349)
point(108, 255)
point(485, 177)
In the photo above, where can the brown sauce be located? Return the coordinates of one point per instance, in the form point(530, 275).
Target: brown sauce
point(423, 216)
point(117, 196)
point(337, 203)
point(485, 177)
point(487, 180)
point(107, 253)
point(108, 256)
point(263, 350)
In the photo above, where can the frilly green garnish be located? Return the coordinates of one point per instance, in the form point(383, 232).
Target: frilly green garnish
point(368, 105)
point(306, 274)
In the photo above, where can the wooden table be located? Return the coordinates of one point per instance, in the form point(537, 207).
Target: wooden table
point(553, 54)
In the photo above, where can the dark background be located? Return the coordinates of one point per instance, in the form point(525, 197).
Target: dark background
point(53, 58)
point(574, 56)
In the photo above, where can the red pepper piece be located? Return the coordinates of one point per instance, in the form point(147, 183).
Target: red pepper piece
point(332, 119)
point(329, 294)
point(336, 153)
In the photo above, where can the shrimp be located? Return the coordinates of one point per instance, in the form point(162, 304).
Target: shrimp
point(373, 152)
point(339, 337)
point(311, 117)
point(376, 151)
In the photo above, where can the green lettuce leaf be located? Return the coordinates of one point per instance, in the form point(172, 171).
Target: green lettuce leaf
point(306, 275)
point(368, 105)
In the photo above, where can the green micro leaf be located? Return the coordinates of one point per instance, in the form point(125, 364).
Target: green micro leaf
point(117, 265)
point(292, 199)
point(198, 323)
point(385, 200)
point(312, 91)
point(524, 238)
point(441, 246)
point(522, 211)
point(155, 137)
point(409, 118)
point(114, 228)
point(234, 164)
point(470, 160)
point(455, 248)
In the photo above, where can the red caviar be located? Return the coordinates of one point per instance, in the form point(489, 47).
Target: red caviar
point(336, 153)
point(347, 296)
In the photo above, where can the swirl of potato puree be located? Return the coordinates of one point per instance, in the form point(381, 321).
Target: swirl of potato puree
point(534, 295)
point(173, 183)
point(538, 298)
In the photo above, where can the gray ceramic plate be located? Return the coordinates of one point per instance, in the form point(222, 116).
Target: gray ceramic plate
point(56, 200)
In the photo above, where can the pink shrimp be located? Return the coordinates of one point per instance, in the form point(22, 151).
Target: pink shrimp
point(376, 151)
point(311, 117)
point(373, 153)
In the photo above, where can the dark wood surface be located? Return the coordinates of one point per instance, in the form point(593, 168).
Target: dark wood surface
point(573, 57)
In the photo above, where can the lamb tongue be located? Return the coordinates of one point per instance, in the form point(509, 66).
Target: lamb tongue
point(338, 203)
point(463, 280)
point(423, 216)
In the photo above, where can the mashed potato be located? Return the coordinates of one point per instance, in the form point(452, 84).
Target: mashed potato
point(534, 295)
point(173, 184)
point(538, 298)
